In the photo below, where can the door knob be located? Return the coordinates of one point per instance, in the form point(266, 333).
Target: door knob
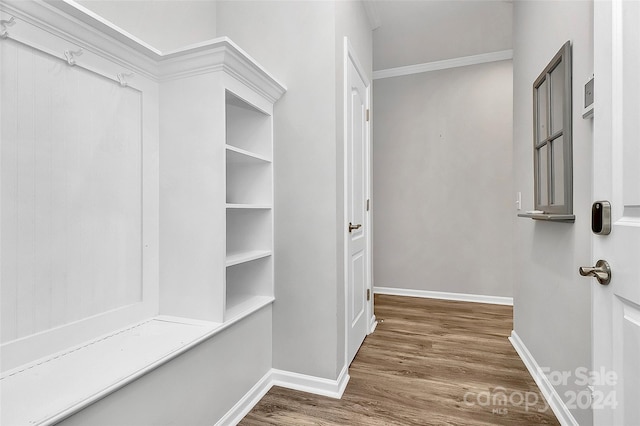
point(602, 272)
point(352, 226)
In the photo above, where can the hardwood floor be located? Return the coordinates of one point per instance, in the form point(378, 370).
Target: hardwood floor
point(429, 362)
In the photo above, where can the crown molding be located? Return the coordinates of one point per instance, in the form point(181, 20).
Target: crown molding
point(464, 61)
point(71, 23)
point(220, 54)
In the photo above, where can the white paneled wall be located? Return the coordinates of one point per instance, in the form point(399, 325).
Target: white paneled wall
point(82, 210)
point(72, 190)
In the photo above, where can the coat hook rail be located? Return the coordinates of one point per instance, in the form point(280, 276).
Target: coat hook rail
point(122, 78)
point(4, 23)
point(71, 55)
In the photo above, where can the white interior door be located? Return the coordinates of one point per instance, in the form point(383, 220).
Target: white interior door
point(357, 155)
point(616, 306)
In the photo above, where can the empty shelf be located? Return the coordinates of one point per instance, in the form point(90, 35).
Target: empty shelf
point(246, 256)
point(549, 217)
point(238, 155)
point(248, 206)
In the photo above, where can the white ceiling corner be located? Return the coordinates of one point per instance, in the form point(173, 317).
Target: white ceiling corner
point(371, 9)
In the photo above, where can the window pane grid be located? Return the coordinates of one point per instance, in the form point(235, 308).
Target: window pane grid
point(557, 171)
point(543, 175)
point(556, 91)
point(552, 135)
point(542, 128)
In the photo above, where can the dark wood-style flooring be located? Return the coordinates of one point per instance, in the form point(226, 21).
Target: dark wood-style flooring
point(429, 362)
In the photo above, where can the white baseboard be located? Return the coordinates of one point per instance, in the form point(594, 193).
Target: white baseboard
point(546, 388)
point(311, 384)
point(289, 380)
point(477, 298)
point(372, 324)
point(247, 402)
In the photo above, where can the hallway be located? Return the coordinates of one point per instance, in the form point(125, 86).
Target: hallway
point(428, 362)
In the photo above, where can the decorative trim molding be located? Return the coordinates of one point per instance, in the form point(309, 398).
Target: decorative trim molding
point(289, 380)
point(349, 57)
point(463, 297)
point(316, 385)
point(74, 27)
point(49, 29)
point(464, 61)
point(546, 388)
point(247, 402)
point(372, 324)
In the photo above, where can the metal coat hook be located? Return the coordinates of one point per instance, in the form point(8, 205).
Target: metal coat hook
point(4, 23)
point(122, 78)
point(71, 55)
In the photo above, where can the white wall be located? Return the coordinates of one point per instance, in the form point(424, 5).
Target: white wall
point(294, 40)
point(165, 25)
point(552, 306)
point(300, 42)
point(442, 180)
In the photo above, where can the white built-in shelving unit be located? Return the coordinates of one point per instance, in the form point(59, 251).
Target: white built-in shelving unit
point(249, 198)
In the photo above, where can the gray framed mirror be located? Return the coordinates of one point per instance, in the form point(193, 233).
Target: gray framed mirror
point(552, 136)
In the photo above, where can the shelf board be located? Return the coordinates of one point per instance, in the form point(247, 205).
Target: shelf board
point(246, 256)
point(249, 206)
point(569, 218)
point(238, 155)
point(241, 306)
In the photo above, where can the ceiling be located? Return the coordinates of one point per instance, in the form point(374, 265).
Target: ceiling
point(408, 32)
point(422, 31)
